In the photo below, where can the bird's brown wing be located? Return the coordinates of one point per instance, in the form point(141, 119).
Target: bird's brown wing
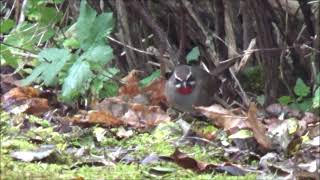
point(209, 86)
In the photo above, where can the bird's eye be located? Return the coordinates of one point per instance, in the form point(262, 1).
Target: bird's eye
point(177, 81)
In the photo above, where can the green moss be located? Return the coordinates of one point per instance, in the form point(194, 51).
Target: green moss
point(161, 141)
point(42, 122)
point(17, 143)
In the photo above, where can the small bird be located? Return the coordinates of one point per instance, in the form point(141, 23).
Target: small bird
point(191, 86)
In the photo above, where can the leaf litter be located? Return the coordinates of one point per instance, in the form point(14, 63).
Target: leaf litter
point(286, 140)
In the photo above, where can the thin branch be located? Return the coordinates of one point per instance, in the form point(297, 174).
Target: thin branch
point(243, 94)
point(22, 12)
point(26, 55)
point(130, 47)
point(16, 47)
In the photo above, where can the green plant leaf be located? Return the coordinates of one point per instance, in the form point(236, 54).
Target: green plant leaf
point(193, 55)
point(49, 15)
point(6, 25)
point(92, 30)
point(242, 134)
point(146, 81)
point(7, 57)
point(57, 59)
point(28, 35)
point(305, 105)
point(111, 89)
point(77, 80)
point(100, 54)
point(101, 85)
point(52, 61)
point(110, 72)
point(71, 43)
point(96, 86)
point(85, 21)
point(316, 99)
point(301, 89)
point(285, 100)
point(39, 11)
point(34, 75)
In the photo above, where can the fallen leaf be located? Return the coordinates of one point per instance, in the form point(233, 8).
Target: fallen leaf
point(24, 99)
point(222, 117)
point(115, 111)
point(259, 131)
point(131, 87)
point(97, 117)
point(278, 109)
point(37, 106)
point(152, 158)
point(187, 162)
point(139, 115)
point(39, 154)
point(156, 91)
point(161, 170)
point(122, 133)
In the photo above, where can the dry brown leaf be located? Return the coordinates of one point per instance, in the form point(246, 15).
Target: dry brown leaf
point(140, 115)
point(132, 114)
point(21, 93)
point(222, 117)
point(156, 91)
point(231, 122)
point(104, 118)
point(37, 106)
point(97, 117)
point(259, 130)
point(25, 99)
point(115, 105)
point(187, 162)
point(131, 87)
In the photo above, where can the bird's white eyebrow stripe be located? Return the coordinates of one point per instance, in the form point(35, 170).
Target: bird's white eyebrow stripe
point(177, 77)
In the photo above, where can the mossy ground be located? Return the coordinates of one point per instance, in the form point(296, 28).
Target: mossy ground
point(161, 141)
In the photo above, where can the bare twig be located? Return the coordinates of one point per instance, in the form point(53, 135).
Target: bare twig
point(243, 94)
point(22, 12)
point(130, 47)
point(12, 8)
point(246, 56)
point(26, 55)
point(154, 63)
point(16, 47)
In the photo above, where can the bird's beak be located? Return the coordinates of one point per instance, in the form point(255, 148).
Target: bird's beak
point(184, 84)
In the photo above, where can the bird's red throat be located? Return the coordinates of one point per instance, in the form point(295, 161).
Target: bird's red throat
point(184, 90)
